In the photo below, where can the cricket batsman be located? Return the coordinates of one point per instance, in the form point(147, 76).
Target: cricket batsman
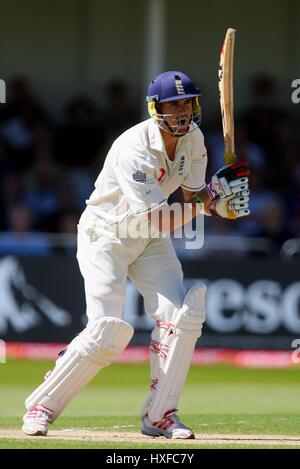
point(143, 167)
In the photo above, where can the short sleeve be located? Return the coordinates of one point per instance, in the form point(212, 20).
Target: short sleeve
point(136, 175)
point(195, 180)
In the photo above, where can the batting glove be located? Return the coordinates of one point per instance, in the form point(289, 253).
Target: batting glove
point(232, 207)
point(229, 180)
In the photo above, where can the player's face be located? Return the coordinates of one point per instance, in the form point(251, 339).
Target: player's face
point(178, 114)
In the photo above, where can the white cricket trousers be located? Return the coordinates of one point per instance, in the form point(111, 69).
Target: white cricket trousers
point(105, 261)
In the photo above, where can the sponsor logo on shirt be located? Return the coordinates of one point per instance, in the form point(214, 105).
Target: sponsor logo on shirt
point(139, 176)
point(162, 174)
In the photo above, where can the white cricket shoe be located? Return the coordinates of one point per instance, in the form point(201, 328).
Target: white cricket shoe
point(169, 426)
point(36, 421)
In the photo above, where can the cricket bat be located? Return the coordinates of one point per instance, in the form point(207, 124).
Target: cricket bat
point(226, 94)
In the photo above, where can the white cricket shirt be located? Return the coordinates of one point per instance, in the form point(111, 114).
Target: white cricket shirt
point(138, 177)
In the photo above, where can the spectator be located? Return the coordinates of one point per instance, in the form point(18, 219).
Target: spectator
point(119, 113)
point(21, 112)
point(50, 168)
point(265, 116)
point(245, 149)
point(78, 144)
point(6, 158)
point(80, 138)
point(273, 223)
point(19, 239)
point(261, 197)
point(41, 196)
point(68, 221)
point(11, 193)
point(67, 228)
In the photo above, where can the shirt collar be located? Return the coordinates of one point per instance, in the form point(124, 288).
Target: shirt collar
point(155, 137)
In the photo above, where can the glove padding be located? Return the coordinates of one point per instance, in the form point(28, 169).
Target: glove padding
point(230, 180)
point(232, 207)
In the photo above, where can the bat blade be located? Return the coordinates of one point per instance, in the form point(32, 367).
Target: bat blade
point(226, 94)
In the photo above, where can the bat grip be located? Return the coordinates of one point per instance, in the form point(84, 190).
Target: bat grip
point(229, 158)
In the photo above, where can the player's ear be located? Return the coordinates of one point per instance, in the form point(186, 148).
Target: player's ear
point(159, 108)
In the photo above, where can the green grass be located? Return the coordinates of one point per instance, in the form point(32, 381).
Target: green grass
point(60, 444)
point(216, 399)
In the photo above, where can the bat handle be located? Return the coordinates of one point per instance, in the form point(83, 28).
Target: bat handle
point(229, 158)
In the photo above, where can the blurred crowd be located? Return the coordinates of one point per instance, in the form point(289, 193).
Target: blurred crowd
point(48, 168)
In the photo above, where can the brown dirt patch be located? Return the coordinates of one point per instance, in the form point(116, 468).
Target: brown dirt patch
point(134, 437)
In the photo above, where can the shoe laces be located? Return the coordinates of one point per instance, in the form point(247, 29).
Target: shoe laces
point(170, 419)
point(40, 412)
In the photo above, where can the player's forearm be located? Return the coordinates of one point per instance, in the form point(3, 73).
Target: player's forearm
point(203, 197)
point(197, 204)
point(169, 218)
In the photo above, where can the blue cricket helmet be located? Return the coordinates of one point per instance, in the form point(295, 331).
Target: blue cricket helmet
point(170, 86)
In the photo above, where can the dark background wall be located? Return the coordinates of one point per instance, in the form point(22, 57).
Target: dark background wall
point(72, 46)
